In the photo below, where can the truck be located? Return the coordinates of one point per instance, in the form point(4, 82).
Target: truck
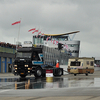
point(31, 60)
point(81, 65)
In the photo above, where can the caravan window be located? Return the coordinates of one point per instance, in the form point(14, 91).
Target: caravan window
point(75, 63)
point(87, 62)
point(91, 63)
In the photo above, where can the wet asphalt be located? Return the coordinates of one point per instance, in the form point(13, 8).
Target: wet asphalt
point(9, 81)
point(68, 81)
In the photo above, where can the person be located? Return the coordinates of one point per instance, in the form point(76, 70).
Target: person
point(57, 64)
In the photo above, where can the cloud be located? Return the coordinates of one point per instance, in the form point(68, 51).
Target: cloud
point(52, 16)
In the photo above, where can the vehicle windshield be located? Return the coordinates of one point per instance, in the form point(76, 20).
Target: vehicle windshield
point(75, 63)
point(23, 54)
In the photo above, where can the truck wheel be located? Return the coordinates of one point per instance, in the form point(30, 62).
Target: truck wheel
point(43, 73)
point(86, 74)
point(59, 72)
point(38, 72)
point(74, 74)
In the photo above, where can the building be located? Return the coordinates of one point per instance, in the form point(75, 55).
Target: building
point(72, 46)
point(97, 61)
point(7, 52)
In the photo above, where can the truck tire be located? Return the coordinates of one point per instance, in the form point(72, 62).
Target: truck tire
point(86, 74)
point(58, 72)
point(43, 73)
point(75, 74)
point(38, 72)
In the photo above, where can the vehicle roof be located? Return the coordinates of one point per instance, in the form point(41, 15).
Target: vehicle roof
point(82, 58)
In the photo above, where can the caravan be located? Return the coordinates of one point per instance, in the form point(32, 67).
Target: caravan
point(82, 65)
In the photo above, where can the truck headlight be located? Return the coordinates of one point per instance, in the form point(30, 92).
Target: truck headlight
point(15, 65)
point(28, 68)
point(16, 68)
point(26, 65)
point(28, 71)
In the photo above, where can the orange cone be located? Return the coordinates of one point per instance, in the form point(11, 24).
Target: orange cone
point(57, 65)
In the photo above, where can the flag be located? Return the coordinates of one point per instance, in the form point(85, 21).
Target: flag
point(41, 35)
point(53, 41)
point(35, 31)
point(48, 38)
point(38, 34)
point(56, 42)
point(32, 29)
point(66, 46)
point(16, 23)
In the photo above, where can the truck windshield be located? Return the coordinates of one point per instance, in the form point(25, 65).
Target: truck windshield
point(75, 63)
point(23, 54)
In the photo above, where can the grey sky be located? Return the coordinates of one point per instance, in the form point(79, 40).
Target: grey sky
point(53, 16)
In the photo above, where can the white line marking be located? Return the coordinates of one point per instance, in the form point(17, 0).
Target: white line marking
point(5, 90)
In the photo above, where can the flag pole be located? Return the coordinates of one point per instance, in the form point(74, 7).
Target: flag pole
point(18, 33)
point(33, 37)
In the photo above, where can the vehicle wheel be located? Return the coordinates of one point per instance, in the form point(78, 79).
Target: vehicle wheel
point(43, 73)
point(59, 72)
point(38, 72)
point(74, 74)
point(86, 74)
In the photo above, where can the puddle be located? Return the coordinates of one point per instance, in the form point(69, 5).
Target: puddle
point(41, 83)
